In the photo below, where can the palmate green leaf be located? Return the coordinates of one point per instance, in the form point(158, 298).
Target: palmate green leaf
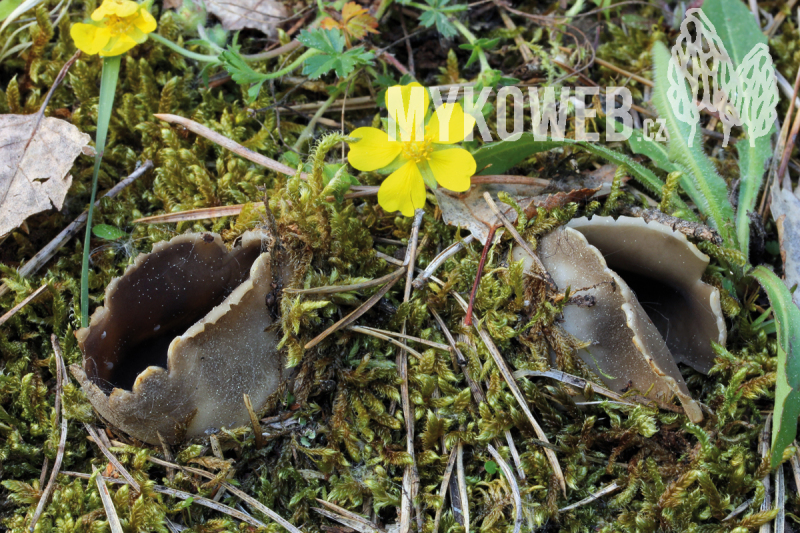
point(505, 154)
point(700, 180)
point(739, 32)
point(787, 388)
point(334, 57)
point(438, 15)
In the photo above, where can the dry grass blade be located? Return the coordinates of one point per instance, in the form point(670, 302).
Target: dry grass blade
point(432, 344)
point(211, 504)
point(108, 504)
point(199, 500)
point(14, 310)
point(228, 144)
point(780, 497)
point(462, 486)
point(355, 315)
point(195, 214)
point(254, 421)
point(383, 337)
point(512, 385)
point(45, 254)
point(349, 519)
point(334, 289)
point(511, 483)
point(763, 448)
point(167, 455)
point(112, 459)
point(443, 489)
point(410, 476)
point(252, 502)
point(539, 267)
point(608, 489)
point(434, 265)
point(581, 384)
point(62, 439)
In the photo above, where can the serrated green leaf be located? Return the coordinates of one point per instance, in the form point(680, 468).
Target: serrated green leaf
point(334, 58)
point(109, 233)
point(740, 33)
point(787, 388)
point(241, 72)
point(328, 41)
point(700, 180)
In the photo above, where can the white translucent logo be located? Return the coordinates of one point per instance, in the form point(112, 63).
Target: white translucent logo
point(746, 95)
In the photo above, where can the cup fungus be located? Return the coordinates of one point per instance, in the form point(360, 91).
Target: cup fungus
point(183, 334)
point(651, 309)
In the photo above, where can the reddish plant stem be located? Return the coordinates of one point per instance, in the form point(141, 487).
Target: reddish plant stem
point(489, 239)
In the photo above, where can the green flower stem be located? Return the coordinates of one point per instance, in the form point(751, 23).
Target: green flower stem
point(308, 131)
point(183, 51)
point(295, 64)
point(471, 38)
point(446, 9)
point(108, 86)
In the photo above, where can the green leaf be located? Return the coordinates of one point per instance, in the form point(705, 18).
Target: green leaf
point(739, 32)
point(241, 72)
point(476, 47)
point(109, 233)
point(490, 467)
point(108, 87)
point(700, 180)
point(331, 44)
point(505, 154)
point(787, 388)
point(437, 15)
point(640, 145)
point(7, 6)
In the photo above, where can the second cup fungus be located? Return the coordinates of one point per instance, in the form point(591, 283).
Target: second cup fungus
point(651, 310)
point(182, 336)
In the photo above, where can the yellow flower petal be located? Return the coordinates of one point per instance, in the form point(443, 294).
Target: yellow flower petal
point(119, 8)
point(457, 124)
point(408, 104)
point(403, 190)
point(88, 38)
point(145, 22)
point(373, 151)
point(452, 168)
point(118, 45)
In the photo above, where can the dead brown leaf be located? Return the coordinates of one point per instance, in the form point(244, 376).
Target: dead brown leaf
point(354, 21)
point(469, 209)
point(262, 15)
point(35, 156)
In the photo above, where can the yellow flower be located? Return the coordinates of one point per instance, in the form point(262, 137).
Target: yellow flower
point(425, 155)
point(116, 27)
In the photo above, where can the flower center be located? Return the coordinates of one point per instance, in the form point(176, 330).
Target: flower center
point(418, 151)
point(119, 25)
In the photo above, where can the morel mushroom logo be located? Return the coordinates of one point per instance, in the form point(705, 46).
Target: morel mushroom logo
point(745, 95)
